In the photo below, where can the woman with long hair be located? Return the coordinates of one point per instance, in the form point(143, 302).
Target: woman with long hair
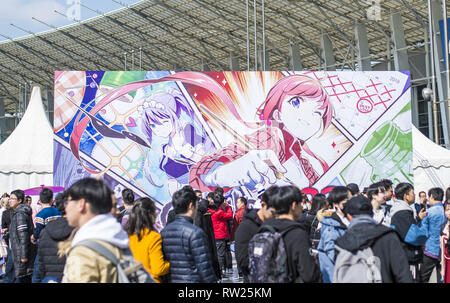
point(145, 242)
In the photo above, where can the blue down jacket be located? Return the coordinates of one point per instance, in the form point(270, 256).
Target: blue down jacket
point(432, 224)
point(332, 228)
point(184, 246)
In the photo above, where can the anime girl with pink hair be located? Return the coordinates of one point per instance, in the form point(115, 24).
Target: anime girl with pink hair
point(295, 109)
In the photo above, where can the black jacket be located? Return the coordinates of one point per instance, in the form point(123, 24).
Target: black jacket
point(404, 223)
point(50, 265)
point(6, 221)
point(184, 246)
point(246, 230)
point(311, 222)
point(385, 244)
point(203, 220)
point(20, 231)
point(298, 250)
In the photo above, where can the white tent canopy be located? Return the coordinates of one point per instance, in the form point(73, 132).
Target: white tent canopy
point(26, 157)
point(431, 163)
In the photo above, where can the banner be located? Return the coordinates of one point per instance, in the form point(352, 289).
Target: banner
point(156, 131)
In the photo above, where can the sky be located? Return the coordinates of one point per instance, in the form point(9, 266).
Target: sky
point(20, 13)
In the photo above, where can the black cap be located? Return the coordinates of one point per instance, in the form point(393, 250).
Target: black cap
point(358, 205)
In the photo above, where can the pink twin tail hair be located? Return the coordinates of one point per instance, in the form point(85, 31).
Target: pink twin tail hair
point(297, 85)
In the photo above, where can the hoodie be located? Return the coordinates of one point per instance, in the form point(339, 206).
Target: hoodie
point(332, 228)
point(301, 262)
point(50, 265)
point(85, 265)
point(103, 227)
point(246, 230)
point(363, 232)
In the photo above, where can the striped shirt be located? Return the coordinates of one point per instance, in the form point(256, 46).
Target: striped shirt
point(45, 216)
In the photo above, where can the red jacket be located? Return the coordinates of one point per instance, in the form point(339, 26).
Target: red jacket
point(219, 220)
point(238, 215)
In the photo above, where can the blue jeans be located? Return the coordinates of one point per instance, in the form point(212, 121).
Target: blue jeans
point(36, 275)
point(9, 270)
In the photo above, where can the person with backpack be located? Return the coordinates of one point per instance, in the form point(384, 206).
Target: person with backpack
point(311, 219)
point(88, 207)
point(280, 252)
point(368, 252)
point(145, 242)
point(184, 244)
point(411, 232)
point(128, 200)
point(51, 265)
point(251, 222)
point(334, 225)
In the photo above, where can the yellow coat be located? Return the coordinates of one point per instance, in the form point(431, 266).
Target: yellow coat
point(149, 252)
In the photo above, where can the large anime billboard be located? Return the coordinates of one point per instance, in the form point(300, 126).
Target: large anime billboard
point(156, 131)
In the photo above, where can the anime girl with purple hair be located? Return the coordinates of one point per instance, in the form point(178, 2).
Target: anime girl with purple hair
point(161, 116)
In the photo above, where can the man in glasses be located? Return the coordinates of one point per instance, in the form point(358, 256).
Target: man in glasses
point(20, 231)
point(88, 209)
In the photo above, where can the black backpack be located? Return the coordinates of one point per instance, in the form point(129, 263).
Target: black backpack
point(268, 258)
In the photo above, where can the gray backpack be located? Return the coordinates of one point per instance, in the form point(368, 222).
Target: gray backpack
point(359, 267)
point(128, 269)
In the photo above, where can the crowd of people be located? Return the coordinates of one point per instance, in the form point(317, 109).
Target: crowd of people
point(381, 234)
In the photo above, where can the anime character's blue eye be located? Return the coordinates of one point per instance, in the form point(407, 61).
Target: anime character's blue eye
point(152, 125)
point(295, 102)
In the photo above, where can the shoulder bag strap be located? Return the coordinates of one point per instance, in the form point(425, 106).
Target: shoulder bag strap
point(99, 248)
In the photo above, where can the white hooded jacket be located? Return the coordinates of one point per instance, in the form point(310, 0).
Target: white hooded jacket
point(102, 227)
